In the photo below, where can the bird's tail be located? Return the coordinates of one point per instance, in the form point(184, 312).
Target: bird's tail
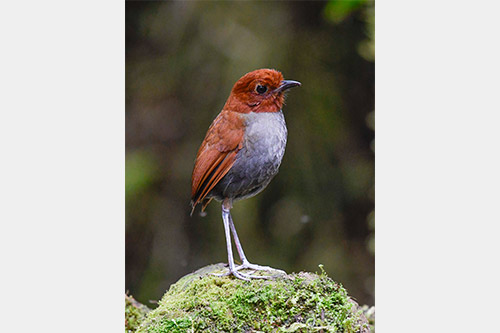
point(204, 205)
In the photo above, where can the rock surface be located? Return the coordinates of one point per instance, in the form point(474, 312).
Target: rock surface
point(135, 313)
point(298, 302)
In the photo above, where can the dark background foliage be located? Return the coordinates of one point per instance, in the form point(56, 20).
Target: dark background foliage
point(182, 59)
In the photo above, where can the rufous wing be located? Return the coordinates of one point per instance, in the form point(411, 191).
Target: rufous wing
point(216, 155)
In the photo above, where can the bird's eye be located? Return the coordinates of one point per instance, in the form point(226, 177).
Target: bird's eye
point(261, 89)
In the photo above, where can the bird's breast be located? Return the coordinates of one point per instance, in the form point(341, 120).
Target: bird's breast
point(265, 136)
point(258, 160)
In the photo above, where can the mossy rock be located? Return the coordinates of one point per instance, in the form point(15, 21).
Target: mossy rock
point(135, 313)
point(299, 302)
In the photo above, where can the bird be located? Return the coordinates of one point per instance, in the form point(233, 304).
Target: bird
point(242, 152)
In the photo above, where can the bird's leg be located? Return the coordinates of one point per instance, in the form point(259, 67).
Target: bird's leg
point(245, 262)
point(232, 269)
point(237, 240)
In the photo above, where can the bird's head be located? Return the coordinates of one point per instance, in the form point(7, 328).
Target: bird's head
point(259, 91)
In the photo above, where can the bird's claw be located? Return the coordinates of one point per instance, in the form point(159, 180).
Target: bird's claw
point(250, 275)
point(247, 265)
point(242, 276)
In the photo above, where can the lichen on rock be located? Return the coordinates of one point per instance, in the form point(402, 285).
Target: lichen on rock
point(298, 302)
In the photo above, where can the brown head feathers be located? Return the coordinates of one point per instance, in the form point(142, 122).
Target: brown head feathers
point(257, 91)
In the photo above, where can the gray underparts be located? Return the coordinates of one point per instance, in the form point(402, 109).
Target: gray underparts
point(259, 159)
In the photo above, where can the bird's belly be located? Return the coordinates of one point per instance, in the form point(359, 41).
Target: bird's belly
point(258, 160)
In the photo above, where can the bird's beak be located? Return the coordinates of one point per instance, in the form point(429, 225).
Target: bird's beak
point(287, 84)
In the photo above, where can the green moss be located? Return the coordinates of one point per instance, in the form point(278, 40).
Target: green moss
point(135, 312)
point(303, 302)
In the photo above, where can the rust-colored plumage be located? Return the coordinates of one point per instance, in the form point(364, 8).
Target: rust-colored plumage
point(224, 138)
point(216, 155)
point(244, 98)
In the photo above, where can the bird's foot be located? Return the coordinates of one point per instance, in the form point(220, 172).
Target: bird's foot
point(252, 269)
point(241, 275)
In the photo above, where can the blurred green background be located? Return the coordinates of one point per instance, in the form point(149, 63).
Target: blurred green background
point(182, 59)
